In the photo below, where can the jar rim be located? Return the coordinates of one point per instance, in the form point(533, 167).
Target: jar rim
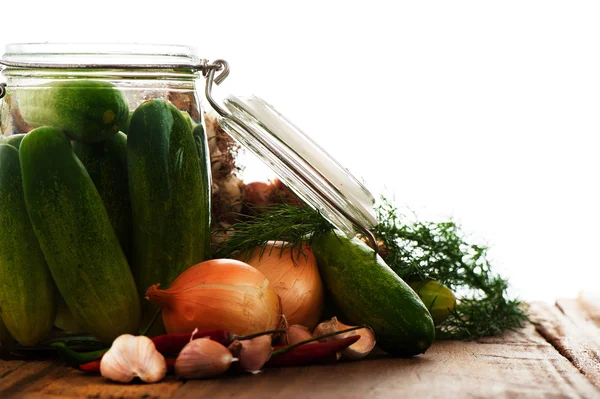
point(99, 55)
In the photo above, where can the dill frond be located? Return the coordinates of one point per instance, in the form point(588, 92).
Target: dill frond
point(280, 222)
point(440, 251)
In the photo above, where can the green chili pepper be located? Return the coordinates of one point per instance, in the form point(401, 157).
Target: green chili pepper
point(74, 358)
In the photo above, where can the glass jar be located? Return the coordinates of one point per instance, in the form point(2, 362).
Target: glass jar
point(116, 187)
point(115, 191)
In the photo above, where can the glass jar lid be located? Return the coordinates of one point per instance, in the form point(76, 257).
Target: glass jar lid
point(100, 55)
point(309, 171)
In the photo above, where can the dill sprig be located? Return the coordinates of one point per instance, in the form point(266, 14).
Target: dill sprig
point(280, 222)
point(426, 250)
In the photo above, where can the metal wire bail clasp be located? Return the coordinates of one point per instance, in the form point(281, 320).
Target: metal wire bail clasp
point(218, 65)
point(208, 71)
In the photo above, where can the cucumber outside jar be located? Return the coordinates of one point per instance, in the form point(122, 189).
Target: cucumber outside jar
point(105, 179)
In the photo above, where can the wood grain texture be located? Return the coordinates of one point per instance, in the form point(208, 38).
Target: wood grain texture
point(573, 333)
point(53, 380)
point(583, 312)
point(517, 365)
point(555, 358)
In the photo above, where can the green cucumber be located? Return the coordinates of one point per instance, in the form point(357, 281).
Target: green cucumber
point(27, 292)
point(65, 319)
point(106, 163)
point(15, 140)
point(169, 188)
point(76, 237)
point(369, 292)
point(4, 333)
point(201, 142)
point(189, 119)
point(86, 110)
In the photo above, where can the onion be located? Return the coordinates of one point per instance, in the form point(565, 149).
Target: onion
point(218, 294)
point(298, 284)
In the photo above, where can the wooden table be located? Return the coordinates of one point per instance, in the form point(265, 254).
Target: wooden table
point(557, 356)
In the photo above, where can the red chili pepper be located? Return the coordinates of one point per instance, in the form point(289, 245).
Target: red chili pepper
point(91, 367)
point(94, 367)
point(167, 344)
point(306, 354)
point(171, 344)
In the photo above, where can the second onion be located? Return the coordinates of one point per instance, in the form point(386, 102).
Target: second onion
point(294, 276)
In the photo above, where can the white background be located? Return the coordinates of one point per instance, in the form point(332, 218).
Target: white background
point(487, 112)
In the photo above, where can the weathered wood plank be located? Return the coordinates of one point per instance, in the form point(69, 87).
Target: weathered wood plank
point(517, 365)
point(8, 367)
point(52, 379)
point(21, 376)
point(570, 329)
point(576, 338)
point(592, 308)
point(583, 312)
point(78, 385)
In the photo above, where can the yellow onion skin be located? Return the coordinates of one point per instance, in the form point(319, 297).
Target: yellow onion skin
point(298, 284)
point(218, 294)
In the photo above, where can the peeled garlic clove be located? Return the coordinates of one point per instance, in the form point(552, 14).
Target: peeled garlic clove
point(203, 358)
point(131, 357)
point(359, 349)
point(362, 347)
point(255, 353)
point(295, 334)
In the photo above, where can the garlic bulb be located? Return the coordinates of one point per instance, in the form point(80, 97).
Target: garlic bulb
point(359, 349)
point(131, 357)
point(203, 358)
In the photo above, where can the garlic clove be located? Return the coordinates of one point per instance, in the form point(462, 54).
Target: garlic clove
point(255, 353)
point(203, 358)
point(362, 347)
point(328, 327)
point(131, 357)
point(295, 334)
point(359, 349)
